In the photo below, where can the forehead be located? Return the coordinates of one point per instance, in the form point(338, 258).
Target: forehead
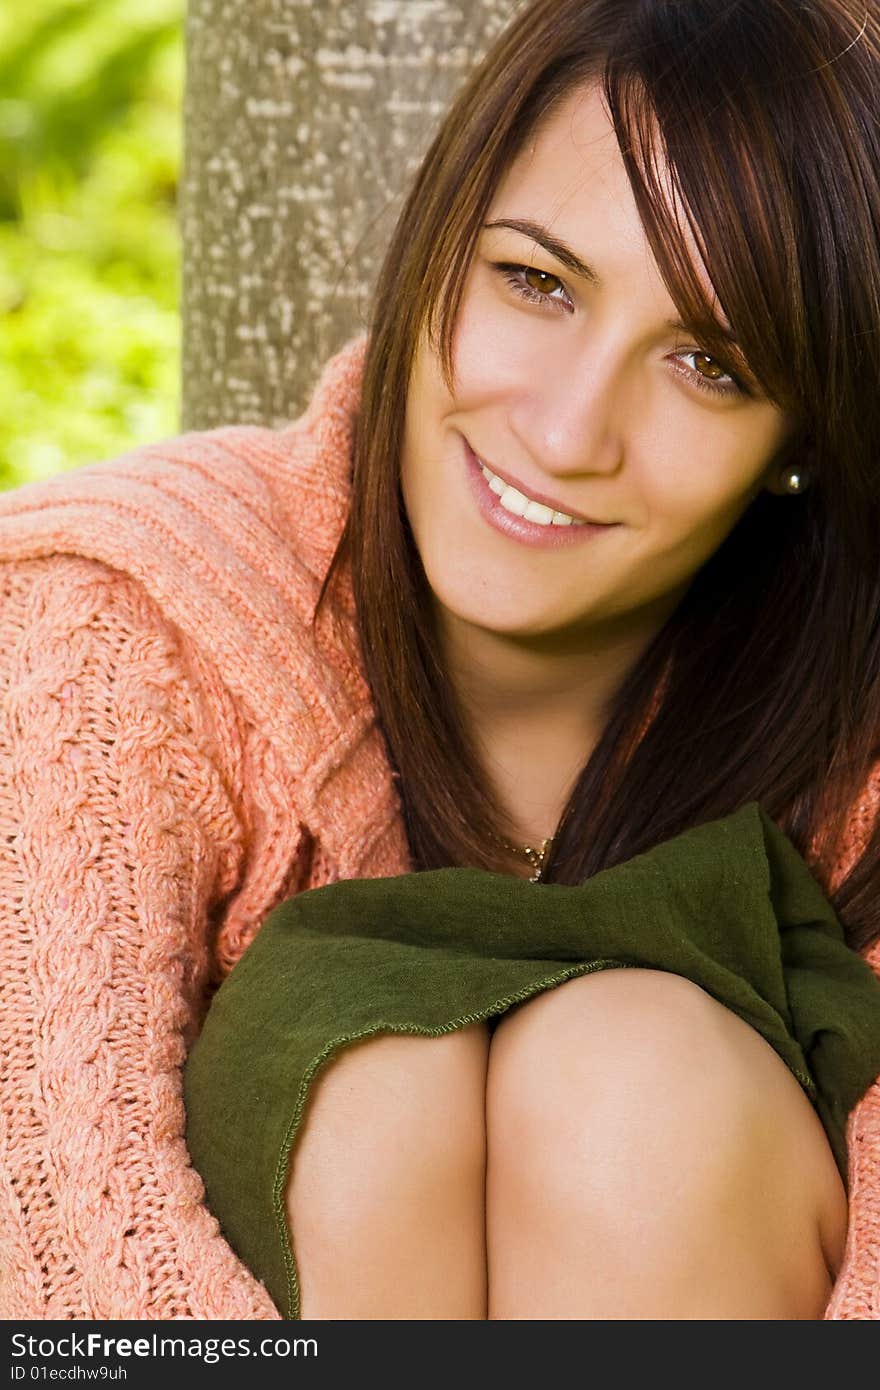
point(570, 162)
point(578, 124)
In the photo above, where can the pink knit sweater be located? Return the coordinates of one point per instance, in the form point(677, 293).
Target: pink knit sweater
point(178, 753)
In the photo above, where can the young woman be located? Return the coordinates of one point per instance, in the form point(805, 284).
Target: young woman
point(603, 615)
point(617, 422)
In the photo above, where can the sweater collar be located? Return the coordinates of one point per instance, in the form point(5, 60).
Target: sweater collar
point(231, 531)
point(314, 483)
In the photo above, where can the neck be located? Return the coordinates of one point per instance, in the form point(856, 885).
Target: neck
point(536, 709)
point(514, 679)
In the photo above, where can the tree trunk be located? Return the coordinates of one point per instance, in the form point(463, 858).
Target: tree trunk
point(304, 123)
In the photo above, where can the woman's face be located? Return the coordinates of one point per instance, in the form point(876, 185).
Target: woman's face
point(580, 398)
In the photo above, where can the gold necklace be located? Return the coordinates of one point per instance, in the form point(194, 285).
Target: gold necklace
point(536, 857)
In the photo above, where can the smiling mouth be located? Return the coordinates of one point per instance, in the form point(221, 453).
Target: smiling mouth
point(520, 503)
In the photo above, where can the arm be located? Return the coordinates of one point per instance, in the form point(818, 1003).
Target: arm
point(118, 838)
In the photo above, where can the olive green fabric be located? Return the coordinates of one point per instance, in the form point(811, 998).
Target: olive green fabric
point(729, 904)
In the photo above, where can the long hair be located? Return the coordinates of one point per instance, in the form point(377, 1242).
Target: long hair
point(765, 112)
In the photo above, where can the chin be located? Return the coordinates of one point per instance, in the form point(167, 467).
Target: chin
point(482, 608)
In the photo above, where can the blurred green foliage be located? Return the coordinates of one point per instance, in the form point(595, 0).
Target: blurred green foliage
point(90, 146)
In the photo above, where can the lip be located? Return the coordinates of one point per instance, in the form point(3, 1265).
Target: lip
point(516, 527)
point(532, 494)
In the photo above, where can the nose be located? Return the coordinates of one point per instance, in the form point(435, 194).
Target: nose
point(570, 412)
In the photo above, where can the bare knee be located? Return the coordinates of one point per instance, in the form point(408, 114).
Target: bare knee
point(629, 1109)
point(607, 1075)
point(386, 1193)
point(632, 1040)
point(651, 1048)
point(390, 1114)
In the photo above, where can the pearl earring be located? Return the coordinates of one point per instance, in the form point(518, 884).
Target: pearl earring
point(794, 481)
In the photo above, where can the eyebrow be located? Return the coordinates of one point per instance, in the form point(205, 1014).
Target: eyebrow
point(573, 262)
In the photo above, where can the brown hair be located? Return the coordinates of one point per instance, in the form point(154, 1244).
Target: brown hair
point(765, 113)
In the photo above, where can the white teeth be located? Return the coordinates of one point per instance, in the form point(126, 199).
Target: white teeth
point(512, 500)
point(536, 511)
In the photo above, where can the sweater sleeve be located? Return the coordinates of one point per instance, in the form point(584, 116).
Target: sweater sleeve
point(120, 841)
point(857, 1292)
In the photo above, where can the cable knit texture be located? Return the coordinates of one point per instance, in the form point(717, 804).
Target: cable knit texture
point(179, 752)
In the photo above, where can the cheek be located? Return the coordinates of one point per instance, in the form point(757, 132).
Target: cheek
point(703, 486)
point(689, 510)
point(481, 356)
point(494, 347)
point(426, 403)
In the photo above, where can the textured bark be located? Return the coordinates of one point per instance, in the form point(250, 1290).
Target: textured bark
point(304, 122)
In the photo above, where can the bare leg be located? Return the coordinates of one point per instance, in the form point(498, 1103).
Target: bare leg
point(649, 1156)
point(386, 1199)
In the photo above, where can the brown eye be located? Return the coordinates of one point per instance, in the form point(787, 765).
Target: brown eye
point(546, 289)
point(707, 374)
point(541, 277)
point(715, 372)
